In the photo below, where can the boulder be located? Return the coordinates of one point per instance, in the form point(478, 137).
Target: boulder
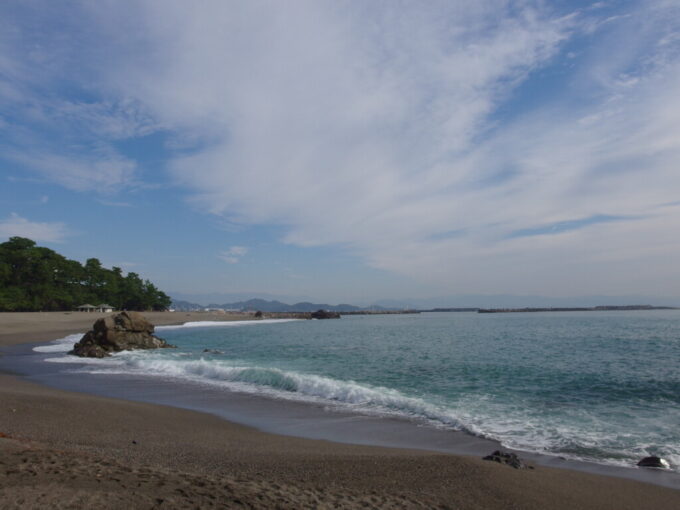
point(325, 314)
point(121, 332)
point(654, 462)
point(509, 459)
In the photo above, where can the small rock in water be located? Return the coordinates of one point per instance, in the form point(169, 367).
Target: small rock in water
point(654, 462)
point(509, 459)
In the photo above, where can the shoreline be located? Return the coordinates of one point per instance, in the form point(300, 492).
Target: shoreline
point(319, 469)
point(305, 419)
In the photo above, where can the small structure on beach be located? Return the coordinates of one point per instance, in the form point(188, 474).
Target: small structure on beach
point(86, 308)
point(104, 308)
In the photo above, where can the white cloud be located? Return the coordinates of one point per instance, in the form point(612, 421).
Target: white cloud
point(102, 170)
point(57, 122)
point(234, 254)
point(16, 225)
point(112, 120)
point(402, 134)
point(374, 127)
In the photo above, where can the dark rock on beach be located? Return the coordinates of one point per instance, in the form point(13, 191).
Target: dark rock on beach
point(654, 462)
point(325, 314)
point(121, 332)
point(509, 459)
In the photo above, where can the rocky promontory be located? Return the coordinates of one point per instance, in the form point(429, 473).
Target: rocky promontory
point(121, 332)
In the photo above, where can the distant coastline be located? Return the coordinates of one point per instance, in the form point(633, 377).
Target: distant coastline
point(303, 310)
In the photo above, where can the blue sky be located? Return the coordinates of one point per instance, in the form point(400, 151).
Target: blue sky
point(349, 151)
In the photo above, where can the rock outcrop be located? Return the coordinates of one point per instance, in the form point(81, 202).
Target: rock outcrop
point(121, 332)
point(509, 459)
point(654, 462)
point(325, 314)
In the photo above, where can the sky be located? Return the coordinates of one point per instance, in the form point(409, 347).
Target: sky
point(349, 151)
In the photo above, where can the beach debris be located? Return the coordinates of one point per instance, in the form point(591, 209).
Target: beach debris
point(121, 332)
point(509, 459)
point(325, 314)
point(654, 462)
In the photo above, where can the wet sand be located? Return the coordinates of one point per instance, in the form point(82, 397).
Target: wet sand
point(71, 450)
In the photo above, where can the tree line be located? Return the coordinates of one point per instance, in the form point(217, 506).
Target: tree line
point(34, 278)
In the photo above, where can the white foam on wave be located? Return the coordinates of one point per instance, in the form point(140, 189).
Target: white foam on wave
point(280, 384)
point(60, 345)
point(212, 324)
point(580, 436)
point(100, 362)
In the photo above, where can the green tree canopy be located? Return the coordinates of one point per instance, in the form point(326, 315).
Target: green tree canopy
point(35, 278)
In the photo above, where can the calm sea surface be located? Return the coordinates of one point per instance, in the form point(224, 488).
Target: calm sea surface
point(599, 386)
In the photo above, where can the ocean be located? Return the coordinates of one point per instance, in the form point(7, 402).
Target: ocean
point(601, 387)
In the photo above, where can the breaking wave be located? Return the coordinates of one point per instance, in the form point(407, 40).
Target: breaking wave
point(276, 383)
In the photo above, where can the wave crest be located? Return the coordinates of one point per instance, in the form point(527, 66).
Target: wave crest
point(61, 345)
point(281, 384)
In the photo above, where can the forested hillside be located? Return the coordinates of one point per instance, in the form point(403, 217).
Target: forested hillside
point(34, 278)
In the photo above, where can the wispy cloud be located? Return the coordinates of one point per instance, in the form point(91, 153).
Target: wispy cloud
point(441, 141)
point(101, 170)
point(110, 120)
point(15, 225)
point(383, 132)
point(234, 254)
point(55, 124)
point(567, 226)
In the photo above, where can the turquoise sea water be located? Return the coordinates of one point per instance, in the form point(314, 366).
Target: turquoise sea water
point(598, 386)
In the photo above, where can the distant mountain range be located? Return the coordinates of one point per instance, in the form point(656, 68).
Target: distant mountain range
point(233, 297)
point(271, 306)
point(270, 303)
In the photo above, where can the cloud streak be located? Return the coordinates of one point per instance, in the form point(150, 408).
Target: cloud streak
point(432, 140)
point(377, 129)
point(55, 123)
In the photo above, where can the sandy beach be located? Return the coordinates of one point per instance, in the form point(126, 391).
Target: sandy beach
point(72, 450)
